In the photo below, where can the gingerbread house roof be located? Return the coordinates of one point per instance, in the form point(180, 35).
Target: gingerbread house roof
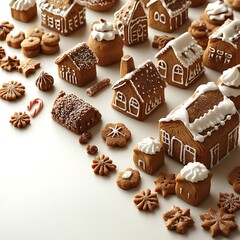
point(60, 7)
point(71, 108)
point(173, 7)
point(127, 11)
point(229, 32)
point(185, 49)
point(80, 55)
point(145, 80)
point(202, 118)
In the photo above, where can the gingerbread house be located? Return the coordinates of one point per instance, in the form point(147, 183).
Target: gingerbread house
point(180, 61)
point(77, 65)
point(223, 48)
point(148, 155)
point(63, 16)
point(131, 22)
point(167, 15)
point(139, 92)
point(193, 183)
point(204, 128)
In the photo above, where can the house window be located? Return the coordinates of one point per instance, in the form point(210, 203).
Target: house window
point(162, 68)
point(134, 106)
point(120, 27)
point(159, 17)
point(177, 74)
point(50, 22)
point(120, 100)
point(228, 58)
point(189, 154)
point(232, 139)
point(165, 137)
point(214, 155)
point(212, 52)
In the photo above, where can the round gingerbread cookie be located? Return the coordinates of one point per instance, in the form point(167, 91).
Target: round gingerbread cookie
point(128, 179)
point(30, 43)
point(35, 32)
point(49, 50)
point(50, 39)
point(14, 39)
point(31, 53)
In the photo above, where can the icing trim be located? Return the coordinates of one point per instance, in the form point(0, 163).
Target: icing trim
point(22, 5)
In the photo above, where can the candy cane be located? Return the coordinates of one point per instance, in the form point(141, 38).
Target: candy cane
point(37, 109)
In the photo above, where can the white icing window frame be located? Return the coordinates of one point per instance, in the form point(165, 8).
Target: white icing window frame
point(162, 66)
point(233, 135)
point(176, 72)
point(131, 105)
point(214, 151)
point(174, 138)
point(159, 17)
point(191, 150)
point(120, 97)
point(166, 137)
point(142, 164)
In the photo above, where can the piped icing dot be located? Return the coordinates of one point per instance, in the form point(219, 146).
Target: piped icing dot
point(194, 172)
point(36, 30)
point(103, 30)
point(127, 174)
point(149, 145)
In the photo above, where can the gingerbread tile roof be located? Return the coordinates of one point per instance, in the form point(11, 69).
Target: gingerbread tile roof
point(229, 32)
point(185, 48)
point(60, 7)
point(173, 7)
point(201, 119)
point(127, 11)
point(81, 56)
point(145, 80)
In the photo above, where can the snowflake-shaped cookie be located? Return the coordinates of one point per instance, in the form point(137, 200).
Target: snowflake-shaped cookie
point(178, 220)
point(116, 134)
point(229, 202)
point(218, 222)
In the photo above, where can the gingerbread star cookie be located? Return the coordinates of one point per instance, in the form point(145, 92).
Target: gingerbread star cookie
point(28, 66)
point(116, 134)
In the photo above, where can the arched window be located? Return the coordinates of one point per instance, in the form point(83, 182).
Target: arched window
point(162, 68)
point(177, 74)
point(134, 107)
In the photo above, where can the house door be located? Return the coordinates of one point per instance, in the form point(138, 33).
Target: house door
point(134, 107)
point(177, 149)
point(120, 101)
point(140, 32)
point(232, 139)
point(177, 74)
point(141, 164)
point(214, 155)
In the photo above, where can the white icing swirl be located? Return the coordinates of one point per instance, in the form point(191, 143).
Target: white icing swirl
point(15, 34)
point(127, 174)
point(22, 5)
point(194, 172)
point(149, 146)
point(218, 11)
point(231, 77)
point(103, 31)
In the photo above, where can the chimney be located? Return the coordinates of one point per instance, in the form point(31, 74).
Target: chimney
point(127, 65)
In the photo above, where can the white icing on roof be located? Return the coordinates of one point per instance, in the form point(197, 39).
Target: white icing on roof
point(231, 77)
point(185, 48)
point(22, 5)
point(211, 119)
point(171, 8)
point(229, 91)
point(229, 32)
point(63, 10)
point(146, 86)
point(149, 146)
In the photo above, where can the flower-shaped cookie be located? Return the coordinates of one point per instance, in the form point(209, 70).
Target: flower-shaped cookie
point(146, 201)
point(10, 91)
point(218, 222)
point(116, 134)
point(178, 219)
point(9, 63)
point(20, 119)
point(102, 165)
point(165, 184)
